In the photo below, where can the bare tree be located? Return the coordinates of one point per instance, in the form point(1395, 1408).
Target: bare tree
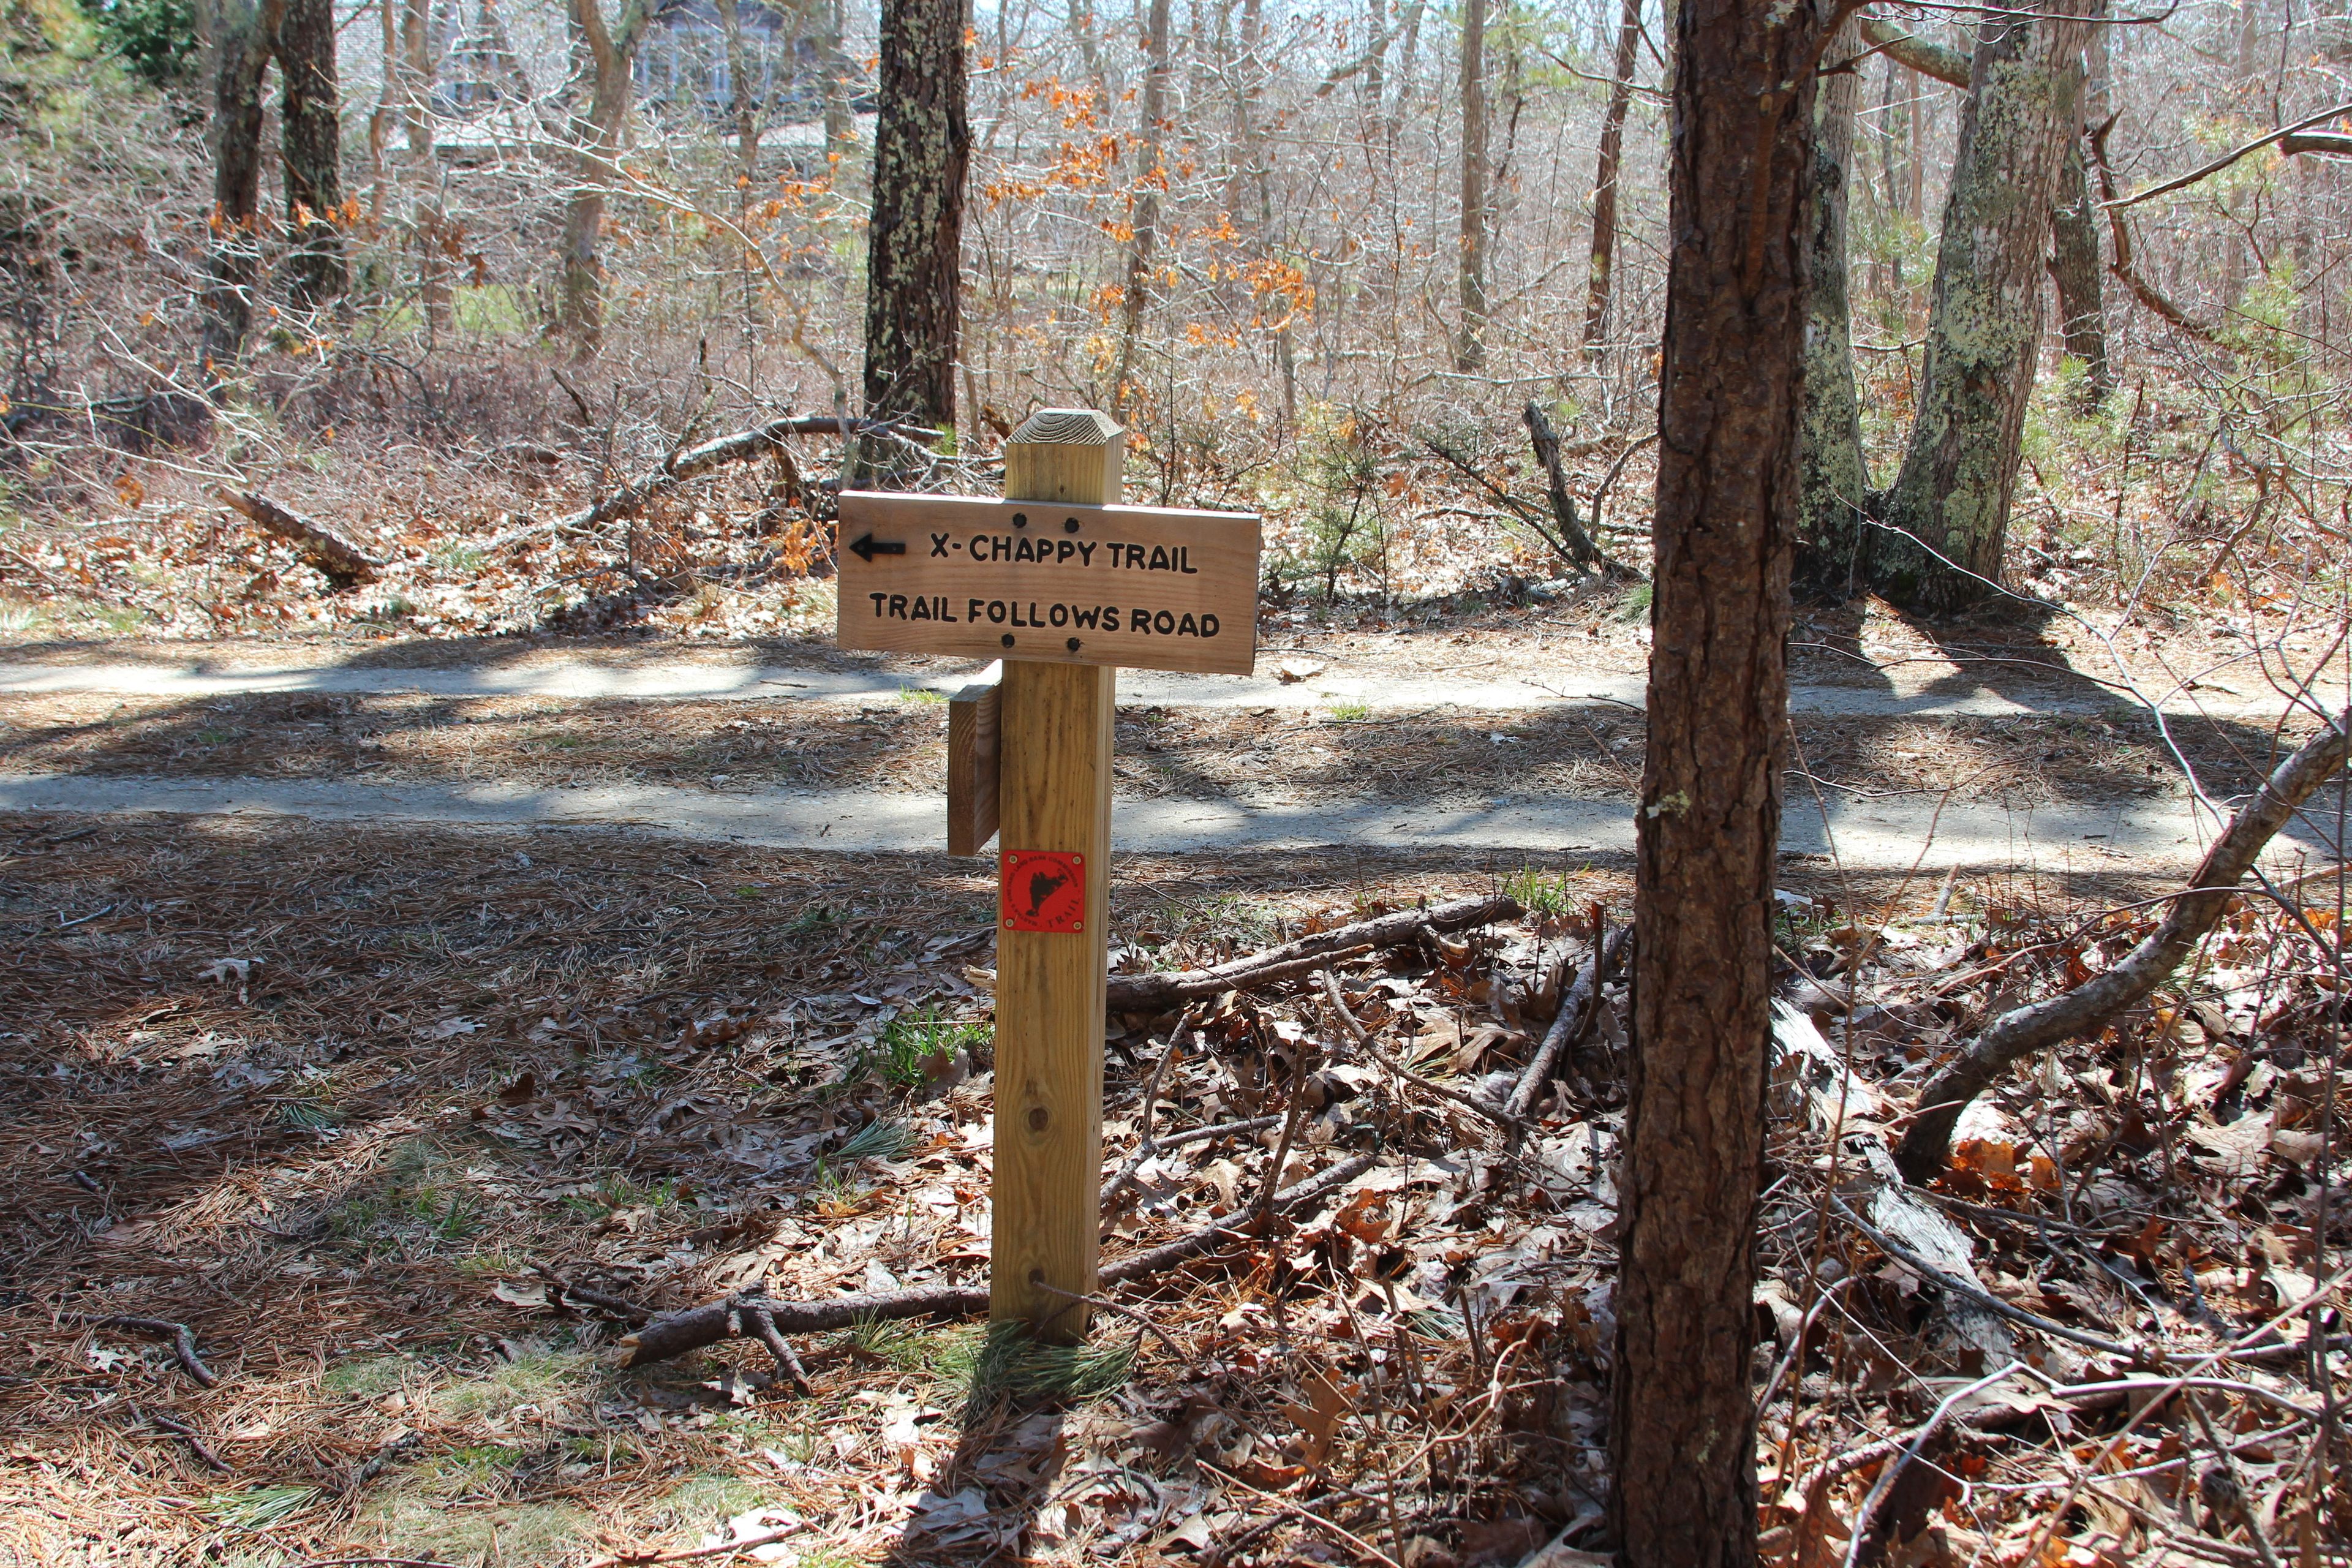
point(1682, 1420)
point(1836, 476)
point(1604, 179)
point(914, 277)
point(244, 35)
point(309, 126)
point(415, 72)
point(612, 53)
point(2075, 223)
point(1984, 330)
point(1149, 178)
point(1470, 348)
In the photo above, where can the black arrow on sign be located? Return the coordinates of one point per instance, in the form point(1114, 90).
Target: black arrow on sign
point(868, 547)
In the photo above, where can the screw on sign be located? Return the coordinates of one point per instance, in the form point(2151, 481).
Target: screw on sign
point(1043, 890)
point(1064, 585)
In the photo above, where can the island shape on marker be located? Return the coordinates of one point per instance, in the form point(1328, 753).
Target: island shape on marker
point(1144, 587)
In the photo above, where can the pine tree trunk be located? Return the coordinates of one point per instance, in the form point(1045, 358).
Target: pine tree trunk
point(311, 140)
point(243, 33)
point(914, 277)
point(1835, 474)
point(1598, 278)
point(1984, 327)
point(1470, 348)
point(1136, 292)
point(1682, 1422)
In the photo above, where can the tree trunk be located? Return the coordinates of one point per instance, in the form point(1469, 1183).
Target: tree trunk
point(244, 32)
point(1470, 349)
point(611, 52)
point(311, 140)
point(2075, 224)
point(742, 101)
point(1984, 327)
point(1145, 221)
point(1683, 1421)
point(1604, 179)
point(1260, 158)
point(914, 270)
point(429, 221)
point(1835, 474)
point(840, 123)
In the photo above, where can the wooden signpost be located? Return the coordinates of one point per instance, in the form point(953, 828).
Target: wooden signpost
point(1063, 585)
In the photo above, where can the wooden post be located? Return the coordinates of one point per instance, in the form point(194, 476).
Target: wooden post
point(1054, 795)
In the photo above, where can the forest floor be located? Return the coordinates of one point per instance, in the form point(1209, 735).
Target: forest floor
point(338, 1085)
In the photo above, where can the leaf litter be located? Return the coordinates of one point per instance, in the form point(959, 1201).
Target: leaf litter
point(545, 1091)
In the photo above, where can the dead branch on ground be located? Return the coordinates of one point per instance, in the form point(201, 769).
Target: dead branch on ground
point(343, 561)
point(2021, 1031)
point(1159, 993)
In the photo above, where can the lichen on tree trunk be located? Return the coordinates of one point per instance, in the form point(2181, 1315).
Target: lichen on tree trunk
point(1984, 330)
point(922, 147)
point(1836, 477)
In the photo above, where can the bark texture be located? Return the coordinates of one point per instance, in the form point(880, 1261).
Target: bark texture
point(244, 34)
point(2075, 223)
point(1470, 348)
point(611, 52)
point(1598, 278)
point(914, 259)
point(2038, 1026)
point(1984, 329)
point(1141, 249)
point(1682, 1422)
point(311, 138)
point(1835, 474)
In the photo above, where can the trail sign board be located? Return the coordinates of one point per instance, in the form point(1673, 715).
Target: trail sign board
point(1146, 588)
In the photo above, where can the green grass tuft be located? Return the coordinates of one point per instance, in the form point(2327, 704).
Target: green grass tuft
point(900, 1055)
point(1002, 1362)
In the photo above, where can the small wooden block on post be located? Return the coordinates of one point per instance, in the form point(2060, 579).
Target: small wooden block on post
point(973, 715)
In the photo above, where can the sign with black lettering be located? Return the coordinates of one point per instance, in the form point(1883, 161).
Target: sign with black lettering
point(1146, 588)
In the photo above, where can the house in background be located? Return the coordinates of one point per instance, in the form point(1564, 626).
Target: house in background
point(683, 69)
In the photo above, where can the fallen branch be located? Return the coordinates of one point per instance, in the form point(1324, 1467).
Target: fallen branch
point(184, 1342)
point(693, 462)
point(343, 562)
point(1573, 543)
point(696, 1327)
point(2021, 1031)
point(1509, 1120)
point(192, 1438)
point(1578, 1011)
point(1160, 993)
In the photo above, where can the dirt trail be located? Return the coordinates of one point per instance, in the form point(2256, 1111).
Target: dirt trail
point(1304, 782)
point(1902, 692)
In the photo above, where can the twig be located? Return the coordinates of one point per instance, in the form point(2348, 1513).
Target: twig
point(1496, 1114)
point(1125, 1176)
point(567, 1292)
point(1976, 1292)
point(689, 1554)
point(1159, 992)
point(1295, 1113)
point(1342, 1532)
point(184, 1342)
point(764, 1325)
point(1578, 1011)
point(679, 1333)
point(192, 1438)
point(2247, 1514)
point(1885, 1482)
point(1154, 1330)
